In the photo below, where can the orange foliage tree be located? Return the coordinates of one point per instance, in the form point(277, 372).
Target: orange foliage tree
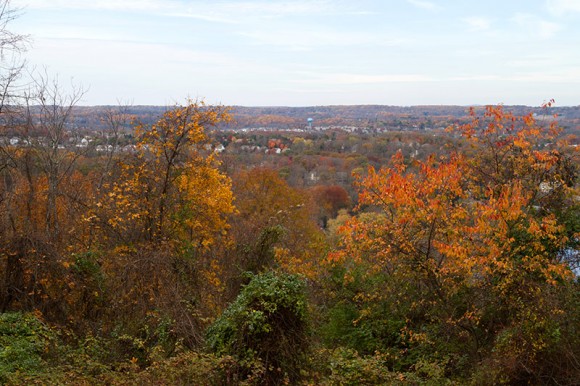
point(468, 249)
point(275, 224)
point(330, 199)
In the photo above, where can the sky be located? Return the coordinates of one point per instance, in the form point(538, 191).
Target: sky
point(308, 52)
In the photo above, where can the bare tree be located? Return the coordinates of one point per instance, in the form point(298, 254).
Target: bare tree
point(35, 192)
point(116, 119)
point(48, 115)
point(36, 173)
point(12, 45)
point(11, 64)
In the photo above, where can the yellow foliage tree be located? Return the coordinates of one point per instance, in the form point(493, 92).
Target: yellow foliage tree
point(159, 214)
point(275, 217)
point(171, 189)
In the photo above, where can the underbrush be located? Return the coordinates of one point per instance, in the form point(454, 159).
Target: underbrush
point(32, 352)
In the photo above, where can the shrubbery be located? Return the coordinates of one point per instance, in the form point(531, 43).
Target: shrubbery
point(268, 323)
point(24, 343)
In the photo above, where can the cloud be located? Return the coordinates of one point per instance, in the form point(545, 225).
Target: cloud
point(349, 78)
point(563, 76)
point(547, 29)
point(239, 12)
point(129, 55)
point(562, 7)
point(113, 5)
point(471, 78)
point(423, 4)
point(223, 11)
point(274, 9)
point(535, 26)
point(533, 62)
point(306, 38)
point(477, 23)
point(248, 12)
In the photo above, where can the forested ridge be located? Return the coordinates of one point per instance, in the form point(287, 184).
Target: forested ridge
point(376, 117)
point(169, 246)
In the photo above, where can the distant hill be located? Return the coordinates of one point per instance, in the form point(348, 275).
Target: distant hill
point(381, 116)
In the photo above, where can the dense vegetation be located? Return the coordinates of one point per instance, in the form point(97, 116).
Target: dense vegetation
point(166, 265)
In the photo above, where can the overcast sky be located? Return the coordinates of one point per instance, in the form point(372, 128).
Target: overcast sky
point(309, 52)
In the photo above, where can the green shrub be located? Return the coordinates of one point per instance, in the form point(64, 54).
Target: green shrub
point(191, 368)
point(267, 322)
point(362, 325)
point(24, 342)
point(344, 366)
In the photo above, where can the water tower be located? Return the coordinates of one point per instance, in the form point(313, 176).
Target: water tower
point(309, 120)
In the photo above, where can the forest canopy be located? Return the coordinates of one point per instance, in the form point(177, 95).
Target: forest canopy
point(451, 267)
